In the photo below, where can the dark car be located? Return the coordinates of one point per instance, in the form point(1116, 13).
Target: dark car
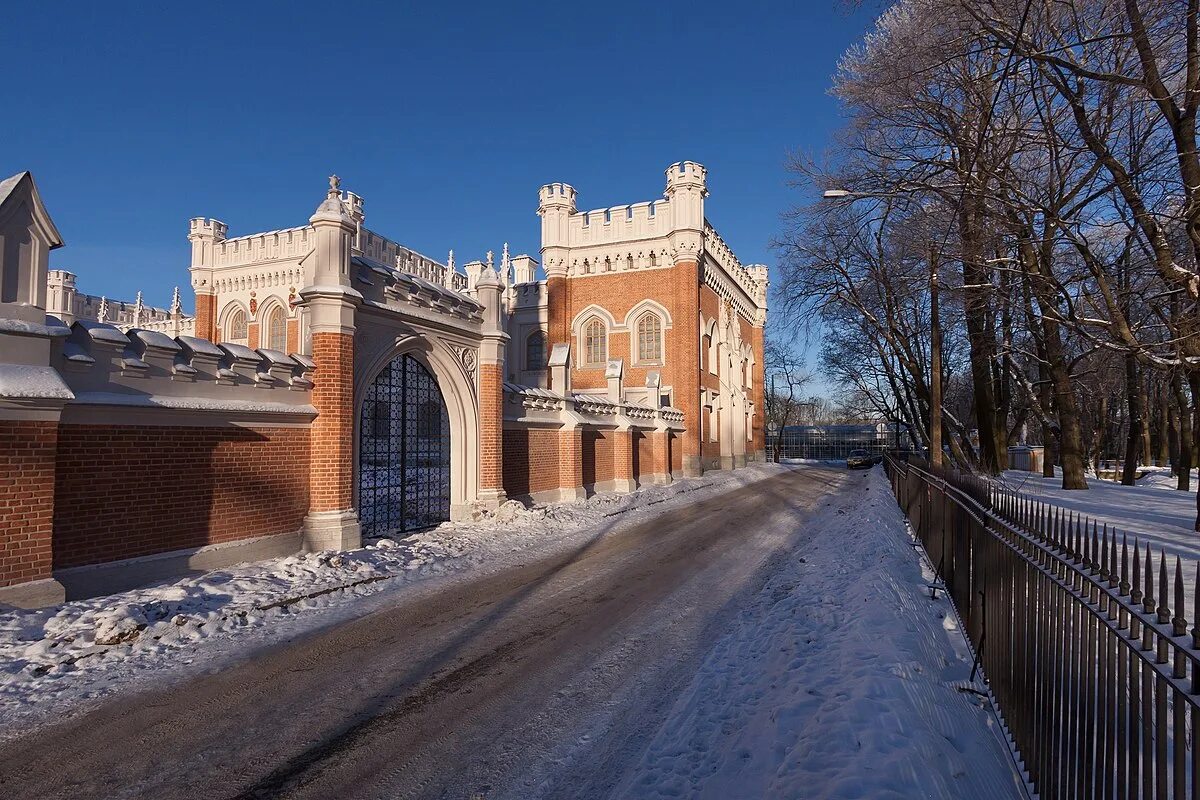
point(860, 459)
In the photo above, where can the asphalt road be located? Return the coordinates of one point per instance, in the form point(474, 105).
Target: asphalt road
point(541, 680)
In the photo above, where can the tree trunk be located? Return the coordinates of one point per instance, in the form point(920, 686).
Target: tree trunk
point(1133, 439)
point(1070, 432)
point(1147, 457)
point(979, 335)
point(1183, 464)
point(1162, 456)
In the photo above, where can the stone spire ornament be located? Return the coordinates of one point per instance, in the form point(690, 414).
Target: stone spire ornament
point(138, 310)
point(102, 313)
point(490, 258)
point(335, 186)
point(176, 304)
point(450, 270)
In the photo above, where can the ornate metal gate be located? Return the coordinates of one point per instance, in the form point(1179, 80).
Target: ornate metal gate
point(403, 451)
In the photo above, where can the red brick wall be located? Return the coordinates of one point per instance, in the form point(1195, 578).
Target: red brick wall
point(27, 451)
point(617, 293)
point(126, 491)
point(332, 444)
point(676, 447)
point(597, 447)
point(530, 460)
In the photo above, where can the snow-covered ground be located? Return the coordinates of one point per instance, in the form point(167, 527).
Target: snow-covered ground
point(842, 679)
point(62, 659)
point(1153, 511)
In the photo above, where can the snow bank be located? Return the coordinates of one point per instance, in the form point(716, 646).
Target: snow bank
point(841, 680)
point(51, 659)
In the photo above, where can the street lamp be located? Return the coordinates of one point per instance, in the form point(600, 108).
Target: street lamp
point(935, 340)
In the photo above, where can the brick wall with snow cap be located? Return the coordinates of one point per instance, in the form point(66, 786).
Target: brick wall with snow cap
point(172, 445)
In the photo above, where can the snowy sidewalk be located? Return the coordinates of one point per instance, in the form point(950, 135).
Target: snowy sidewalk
point(840, 680)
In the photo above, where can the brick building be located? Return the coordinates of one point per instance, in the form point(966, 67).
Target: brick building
point(334, 384)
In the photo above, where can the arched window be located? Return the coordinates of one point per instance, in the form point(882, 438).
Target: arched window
point(649, 338)
point(535, 350)
point(595, 342)
point(236, 330)
point(277, 331)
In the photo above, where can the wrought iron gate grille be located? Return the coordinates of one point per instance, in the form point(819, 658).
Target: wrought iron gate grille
point(404, 451)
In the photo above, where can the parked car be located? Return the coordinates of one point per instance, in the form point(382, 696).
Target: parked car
point(860, 459)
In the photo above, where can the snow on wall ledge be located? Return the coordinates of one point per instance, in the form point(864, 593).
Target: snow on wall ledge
point(103, 366)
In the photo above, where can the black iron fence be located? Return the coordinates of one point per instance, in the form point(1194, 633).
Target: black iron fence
point(1082, 636)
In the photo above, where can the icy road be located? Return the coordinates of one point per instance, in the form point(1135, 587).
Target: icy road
point(644, 663)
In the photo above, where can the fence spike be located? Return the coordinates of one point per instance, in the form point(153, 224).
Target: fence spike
point(1136, 594)
point(1112, 559)
point(1124, 562)
point(1095, 566)
point(1179, 621)
point(1196, 623)
point(1164, 611)
point(1079, 543)
point(1148, 606)
point(1103, 550)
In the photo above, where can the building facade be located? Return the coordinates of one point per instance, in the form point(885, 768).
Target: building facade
point(334, 385)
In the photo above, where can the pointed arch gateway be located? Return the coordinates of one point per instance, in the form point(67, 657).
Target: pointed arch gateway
point(404, 446)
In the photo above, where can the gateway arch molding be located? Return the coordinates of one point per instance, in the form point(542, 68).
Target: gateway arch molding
point(458, 396)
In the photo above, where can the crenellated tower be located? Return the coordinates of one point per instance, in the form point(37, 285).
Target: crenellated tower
point(205, 234)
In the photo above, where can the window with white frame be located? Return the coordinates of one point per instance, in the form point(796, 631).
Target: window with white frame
point(277, 330)
point(235, 329)
point(649, 338)
point(595, 342)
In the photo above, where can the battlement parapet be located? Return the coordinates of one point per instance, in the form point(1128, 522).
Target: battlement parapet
point(288, 243)
point(561, 196)
point(721, 253)
point(200, 227)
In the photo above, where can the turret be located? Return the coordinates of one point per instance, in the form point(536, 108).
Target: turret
point(556, 204)
point(524, 269)
point(354, 207)
point(204, 234)
point(60, 295)
point(334, 230)
point(687, 186)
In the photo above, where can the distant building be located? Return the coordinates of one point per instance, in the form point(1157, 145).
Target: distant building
point(65, 301)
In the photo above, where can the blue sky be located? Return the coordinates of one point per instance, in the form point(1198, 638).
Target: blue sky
point(446, 118)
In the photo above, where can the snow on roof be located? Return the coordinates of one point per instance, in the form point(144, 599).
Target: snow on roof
point(190, 403)
point(28, 382)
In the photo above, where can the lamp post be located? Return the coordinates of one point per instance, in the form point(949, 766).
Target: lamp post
point(935, 338)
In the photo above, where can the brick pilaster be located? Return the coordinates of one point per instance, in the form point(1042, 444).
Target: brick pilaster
point(293, 335)
point(687, 393)
point(491, 429)
point(660, 447)
point(252, 335)
point(332, 438)
point(623, 477)
point(206, 317)
point(758, 395)
point(570, 463)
